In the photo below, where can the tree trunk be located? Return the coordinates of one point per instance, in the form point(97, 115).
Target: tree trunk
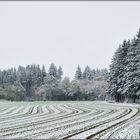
point(134, 98)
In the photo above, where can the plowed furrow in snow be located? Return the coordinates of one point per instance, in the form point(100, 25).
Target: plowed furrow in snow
point(34, 126)
point(98, 123)
point(55, 131)
point(62, 124)
point(122, 131)
point(30, 124)
point(68, 120)
point(25, 116)
point(109, 125)
point(28, 120)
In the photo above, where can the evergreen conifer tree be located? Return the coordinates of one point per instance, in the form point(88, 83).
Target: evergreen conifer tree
point(53, 70)
point(87, 74)
point(78, 74)
point(60, 72)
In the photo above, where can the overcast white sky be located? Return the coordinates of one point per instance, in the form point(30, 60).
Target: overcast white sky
point(66, 33)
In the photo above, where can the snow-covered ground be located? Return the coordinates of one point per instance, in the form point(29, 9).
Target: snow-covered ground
point(69, 120)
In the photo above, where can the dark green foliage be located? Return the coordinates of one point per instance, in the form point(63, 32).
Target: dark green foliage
point(87, 74)
point(12, 92)
point(124, 76)
point(33, 83)
point(59, 73)
point(53, 70)
point(78, 74)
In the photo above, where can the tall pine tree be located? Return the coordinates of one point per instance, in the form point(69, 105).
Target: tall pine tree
point(116, 71)
point(78, 74)
point(59, 72)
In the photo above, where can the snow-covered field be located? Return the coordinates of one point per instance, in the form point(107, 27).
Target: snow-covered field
point(69, 120)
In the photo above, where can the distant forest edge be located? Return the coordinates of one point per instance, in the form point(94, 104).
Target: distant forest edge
point(34, 83)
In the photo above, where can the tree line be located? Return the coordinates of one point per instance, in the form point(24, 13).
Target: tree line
point(33, 82)
point(121, 83)
point(124, 75)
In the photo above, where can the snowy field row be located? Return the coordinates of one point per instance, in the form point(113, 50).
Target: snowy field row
point(69, 120)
